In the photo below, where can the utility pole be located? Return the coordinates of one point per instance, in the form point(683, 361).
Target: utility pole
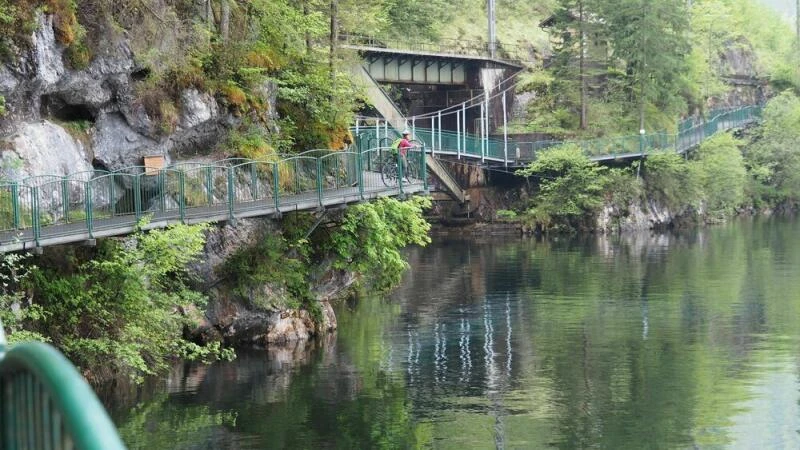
point(492, 33)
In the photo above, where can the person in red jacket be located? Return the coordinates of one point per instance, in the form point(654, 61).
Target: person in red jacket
point(404, 144)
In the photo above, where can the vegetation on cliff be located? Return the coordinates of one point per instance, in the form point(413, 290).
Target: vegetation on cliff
point(366, 240)
point(724, 175)
point(618, 67)
point(113, 309)
point(122, 308)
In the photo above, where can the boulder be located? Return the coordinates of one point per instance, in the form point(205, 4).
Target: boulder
point(116, 145)
point(45, 148)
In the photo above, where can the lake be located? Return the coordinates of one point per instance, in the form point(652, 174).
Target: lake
point(677, 340)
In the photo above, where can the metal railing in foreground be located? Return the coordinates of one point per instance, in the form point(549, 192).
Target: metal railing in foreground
point(46, 404)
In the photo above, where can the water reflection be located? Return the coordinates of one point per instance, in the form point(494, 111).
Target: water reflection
point(639, 341)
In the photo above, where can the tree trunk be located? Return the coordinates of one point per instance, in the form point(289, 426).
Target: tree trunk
point(334, 35)
point(225, 20)
point(308, 34)
point(643, 71)
point(582, 65)
point(209, 16)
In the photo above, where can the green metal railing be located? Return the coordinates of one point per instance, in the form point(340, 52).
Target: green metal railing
point(691, 132)
point(46, 404)
point(51, 207)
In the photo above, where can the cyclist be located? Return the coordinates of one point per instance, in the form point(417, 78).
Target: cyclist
point(402, 145)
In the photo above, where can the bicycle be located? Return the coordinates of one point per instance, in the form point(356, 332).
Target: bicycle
point(390, 170)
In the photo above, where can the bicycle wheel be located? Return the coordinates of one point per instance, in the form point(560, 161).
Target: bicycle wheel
point(389, 173)
point(412, 172)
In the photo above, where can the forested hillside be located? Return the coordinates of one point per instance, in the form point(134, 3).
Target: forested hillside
point(644, 64)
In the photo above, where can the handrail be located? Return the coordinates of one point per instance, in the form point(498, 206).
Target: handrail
point(47, 404)
point(493, 149)
point(70, 208)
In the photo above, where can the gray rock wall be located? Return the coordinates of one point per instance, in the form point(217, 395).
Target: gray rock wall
point(43, 95)
point(39, 85)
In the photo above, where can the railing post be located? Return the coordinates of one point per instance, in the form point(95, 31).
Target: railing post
point(65, 199)
point(112, 195)
point(423, 169)
point(336, 173)
point(15, 204)
point(276, 185)
point(35, 215)
point(319, 180)
point(505, 131)
point(296, 177)
point(458, 134)
point(439, 129)
point(360, 174)
point(433, 135)
point(89, 210)
point(181, 196)
point(162, 194)
point(230, 194)
point(137, 196)
point(209, 187)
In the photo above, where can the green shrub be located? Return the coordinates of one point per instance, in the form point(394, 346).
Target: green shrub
point(369, 240)
point(270, 263)
point(505, 214)
point(114, 310)
point(671, 181)
point(723, 176)
point(570, 188)
point(773, 161)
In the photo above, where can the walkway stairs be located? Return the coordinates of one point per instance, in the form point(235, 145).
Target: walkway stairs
point(389, 110)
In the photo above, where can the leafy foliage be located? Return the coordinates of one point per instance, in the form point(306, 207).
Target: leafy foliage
point(371, 236)
point(671, 181)
point(773, 160)
point(723, 176)
point(16, 311)
point(271, 261)
point(570, 187)
point(116, 311)
point(18, 22)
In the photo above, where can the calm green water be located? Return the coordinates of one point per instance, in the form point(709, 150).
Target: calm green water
point(642, 341)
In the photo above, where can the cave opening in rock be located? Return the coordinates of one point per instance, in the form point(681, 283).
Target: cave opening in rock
point(140, 74)
point(52, 106)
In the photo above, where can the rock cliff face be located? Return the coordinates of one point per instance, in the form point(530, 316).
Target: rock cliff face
point(46, 102)
point(39, 87)
point(240, 321)
point(640, 217)
point(738, 69)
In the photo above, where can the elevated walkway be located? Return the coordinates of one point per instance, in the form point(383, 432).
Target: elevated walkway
point(391, 113)
point(50, 210)
point(513, 154)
